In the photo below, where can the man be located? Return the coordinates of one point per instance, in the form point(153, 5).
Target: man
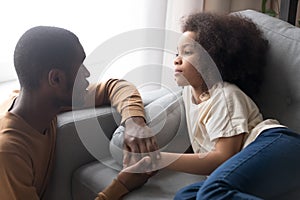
point(48, 62)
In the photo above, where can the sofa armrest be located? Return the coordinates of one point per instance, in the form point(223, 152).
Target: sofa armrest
point(71, 152)
point(73, 147)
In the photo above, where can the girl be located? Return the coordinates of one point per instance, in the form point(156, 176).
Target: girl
point(220, 63)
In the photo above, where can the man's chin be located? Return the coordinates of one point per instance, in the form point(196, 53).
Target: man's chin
point(79, 102)
point(78, 98)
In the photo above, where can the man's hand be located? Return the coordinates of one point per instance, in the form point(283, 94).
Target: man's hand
point(138, 141)
point(134, 176)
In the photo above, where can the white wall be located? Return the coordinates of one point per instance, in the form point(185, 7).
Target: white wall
point(141, 63)
point(94, 21)
point(99, 24)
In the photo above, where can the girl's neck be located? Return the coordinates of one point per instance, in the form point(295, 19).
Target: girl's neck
point(200, 94)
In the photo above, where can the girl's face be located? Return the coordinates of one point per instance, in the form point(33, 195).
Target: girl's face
point(187, 63)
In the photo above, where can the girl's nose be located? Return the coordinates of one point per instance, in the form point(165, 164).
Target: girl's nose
point(178, 60)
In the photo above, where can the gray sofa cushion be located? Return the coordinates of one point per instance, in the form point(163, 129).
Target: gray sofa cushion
point(166, 117)
point(71, 153)
point(280, 93)
point(94, 177)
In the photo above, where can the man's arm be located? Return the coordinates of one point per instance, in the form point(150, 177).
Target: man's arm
point(120, 94)
point(128, 179)
point(125, 97)
point(16, 178)
point(116, 190)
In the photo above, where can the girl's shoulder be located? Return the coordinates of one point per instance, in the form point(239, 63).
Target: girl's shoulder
point(224, 87)
point(229, 91)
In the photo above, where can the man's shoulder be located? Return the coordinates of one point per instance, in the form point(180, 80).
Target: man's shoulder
point(7, 103)
point(11, 136)
point(10, 144)
point(11, 148)
point(8, 121)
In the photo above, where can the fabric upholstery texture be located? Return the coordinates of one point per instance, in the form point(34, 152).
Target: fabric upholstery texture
point(280, 93)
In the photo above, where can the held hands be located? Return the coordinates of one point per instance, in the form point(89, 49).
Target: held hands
point(134, 176)
point(139, 141)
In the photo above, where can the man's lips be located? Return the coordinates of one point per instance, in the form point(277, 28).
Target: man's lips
point(85, 88)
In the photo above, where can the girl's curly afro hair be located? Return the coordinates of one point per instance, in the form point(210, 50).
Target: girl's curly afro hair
point(236, 45)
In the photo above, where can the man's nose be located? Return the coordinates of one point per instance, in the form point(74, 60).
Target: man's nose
point(85, 71)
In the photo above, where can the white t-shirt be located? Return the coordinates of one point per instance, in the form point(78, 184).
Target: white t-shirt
point(225, 111)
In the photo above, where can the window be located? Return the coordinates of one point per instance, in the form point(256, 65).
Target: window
point(96, 22)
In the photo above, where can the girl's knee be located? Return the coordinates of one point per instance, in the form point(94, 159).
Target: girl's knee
point(215, 190)
point(188, 192)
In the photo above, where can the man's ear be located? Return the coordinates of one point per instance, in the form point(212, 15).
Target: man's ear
point(56, 78)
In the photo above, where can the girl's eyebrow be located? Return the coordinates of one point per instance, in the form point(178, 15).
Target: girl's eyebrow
point(186, 45)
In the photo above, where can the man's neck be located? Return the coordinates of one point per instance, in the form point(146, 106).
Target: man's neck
point(36, 109)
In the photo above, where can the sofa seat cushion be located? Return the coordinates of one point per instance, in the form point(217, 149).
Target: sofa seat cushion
point(94, 177)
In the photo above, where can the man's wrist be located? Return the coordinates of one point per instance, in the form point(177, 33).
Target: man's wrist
point(115, 190)
point(136, 120)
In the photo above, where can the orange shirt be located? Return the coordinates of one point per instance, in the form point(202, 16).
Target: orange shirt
point(113, 192)
point(26, 155)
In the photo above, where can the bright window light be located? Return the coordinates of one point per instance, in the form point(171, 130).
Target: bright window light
point(93, 21)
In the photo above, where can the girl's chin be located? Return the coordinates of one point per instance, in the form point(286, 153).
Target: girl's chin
point(181, 83)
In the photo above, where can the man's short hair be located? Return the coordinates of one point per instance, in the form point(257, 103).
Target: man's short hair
point(42, 48)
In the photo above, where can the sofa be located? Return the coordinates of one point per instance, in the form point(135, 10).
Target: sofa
point(83, 167)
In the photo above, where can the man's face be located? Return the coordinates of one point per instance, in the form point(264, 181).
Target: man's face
point(80, 84)
point(76, 82)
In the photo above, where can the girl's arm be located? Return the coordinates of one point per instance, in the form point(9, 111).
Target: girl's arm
point(202, 163)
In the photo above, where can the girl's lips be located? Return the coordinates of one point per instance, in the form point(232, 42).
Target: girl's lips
point(177, 72)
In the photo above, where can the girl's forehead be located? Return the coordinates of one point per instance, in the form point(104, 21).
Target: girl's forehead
point(187, 39)
point(190, 34)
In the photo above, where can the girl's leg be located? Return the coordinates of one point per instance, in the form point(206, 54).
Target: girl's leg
point(188, 192)
point(267, 168)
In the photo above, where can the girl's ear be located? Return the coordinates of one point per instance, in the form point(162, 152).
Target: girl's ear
point(56, 78)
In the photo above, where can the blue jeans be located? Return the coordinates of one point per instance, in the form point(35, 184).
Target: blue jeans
point(268, 168)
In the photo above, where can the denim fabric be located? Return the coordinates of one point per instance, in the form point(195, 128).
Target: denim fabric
point(268, 168)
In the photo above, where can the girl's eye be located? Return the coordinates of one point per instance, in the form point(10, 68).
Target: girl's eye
point(187, 52)
point(177, 54)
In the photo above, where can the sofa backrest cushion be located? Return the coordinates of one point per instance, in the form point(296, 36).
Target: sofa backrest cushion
point(279, 96)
